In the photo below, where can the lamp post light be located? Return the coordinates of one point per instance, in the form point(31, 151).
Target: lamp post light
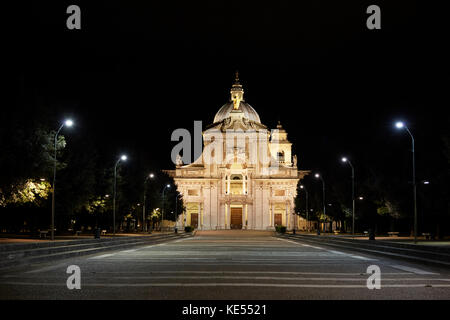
point(67, 123)
point(307, 212)
point(318, 176)
point(150, 176)
point(162, 212)
point(344, 159)
point(401, 125)
point(122, 158)
point(176, 205)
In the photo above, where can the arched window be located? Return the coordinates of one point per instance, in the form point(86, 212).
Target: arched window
point(280, 156)
point(236, 184)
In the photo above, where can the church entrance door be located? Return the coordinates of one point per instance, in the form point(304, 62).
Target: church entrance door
point(278, 219)
point(194, 220)
point(236, 218)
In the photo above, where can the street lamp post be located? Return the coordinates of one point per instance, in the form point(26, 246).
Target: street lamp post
point(163, 206)
point(401, 125)
point(123, 158)
point(353, 194)
point(307, 212)
point(67, 123)
point(176, 205)
point(150, 176)
point(323, 198)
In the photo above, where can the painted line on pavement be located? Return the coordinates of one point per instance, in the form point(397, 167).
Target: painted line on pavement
point(300, 244)
point(61, 265)
point(413, 270)
point(254, 272)
point(337, 252)
point(232, 260)
point(331, 251)
point(102, 256)
point(363, 258)
point(276, 285)
point(272, 278)
point(127, 251)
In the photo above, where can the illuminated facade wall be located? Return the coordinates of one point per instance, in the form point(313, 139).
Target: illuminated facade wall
point(240, 191)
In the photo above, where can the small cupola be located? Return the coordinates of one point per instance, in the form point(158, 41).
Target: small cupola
point(237, 93)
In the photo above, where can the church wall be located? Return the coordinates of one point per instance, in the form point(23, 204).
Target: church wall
point(265, 214)
point(257, 200)
point(207, 207)
point(256, 210)
point(214, 206)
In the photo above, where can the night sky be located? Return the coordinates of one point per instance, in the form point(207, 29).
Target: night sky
point(138, 70)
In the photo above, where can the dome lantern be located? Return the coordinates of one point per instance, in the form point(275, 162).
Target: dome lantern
point(237, 103)
point(237, 93)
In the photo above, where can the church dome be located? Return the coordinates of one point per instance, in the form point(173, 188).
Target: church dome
point(237, 103)
point(248, 111)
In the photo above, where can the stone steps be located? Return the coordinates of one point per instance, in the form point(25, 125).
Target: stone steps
point(58, 250)
point(405, 251)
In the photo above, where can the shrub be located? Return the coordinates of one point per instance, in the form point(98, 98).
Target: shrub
point(280, 229)
point(188, 228)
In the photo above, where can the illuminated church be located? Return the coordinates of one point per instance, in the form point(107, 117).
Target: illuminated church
point(247, 181)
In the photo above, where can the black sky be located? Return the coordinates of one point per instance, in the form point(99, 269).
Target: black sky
point(137, 71)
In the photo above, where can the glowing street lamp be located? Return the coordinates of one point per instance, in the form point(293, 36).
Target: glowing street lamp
point(307, 212)
point(122, 158)
point(318, 176)
point(401, 125)
point(67, 123)
point(162, 212)
point(344, 159)
point(176, 205)
point(150, 176)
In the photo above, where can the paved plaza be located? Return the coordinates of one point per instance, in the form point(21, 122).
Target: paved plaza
point(227, 265)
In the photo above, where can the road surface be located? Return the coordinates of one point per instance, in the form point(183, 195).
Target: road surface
point(224, 265)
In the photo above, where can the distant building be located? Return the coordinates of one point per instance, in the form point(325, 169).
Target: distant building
point(252, 186)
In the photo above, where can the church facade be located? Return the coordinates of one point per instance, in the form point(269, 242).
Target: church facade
point(246, 177)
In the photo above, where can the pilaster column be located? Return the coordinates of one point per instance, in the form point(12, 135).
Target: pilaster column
point(287, 219)
point(246, 216)
point(226, 215)
point(272, 211)
point(201, 215)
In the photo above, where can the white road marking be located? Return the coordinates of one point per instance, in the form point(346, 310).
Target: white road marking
point(331, 251)
point(337, 252)
point(103, 256)
point(276, 285)
point(253, 272)
point(127, 251)
point(229, 260)
point(363, 258)
point(61, 265)
point(232, 263)
point(410, 269)
point(364, 279)
point(300, 244)
point(319, 248)
point(153, 245)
